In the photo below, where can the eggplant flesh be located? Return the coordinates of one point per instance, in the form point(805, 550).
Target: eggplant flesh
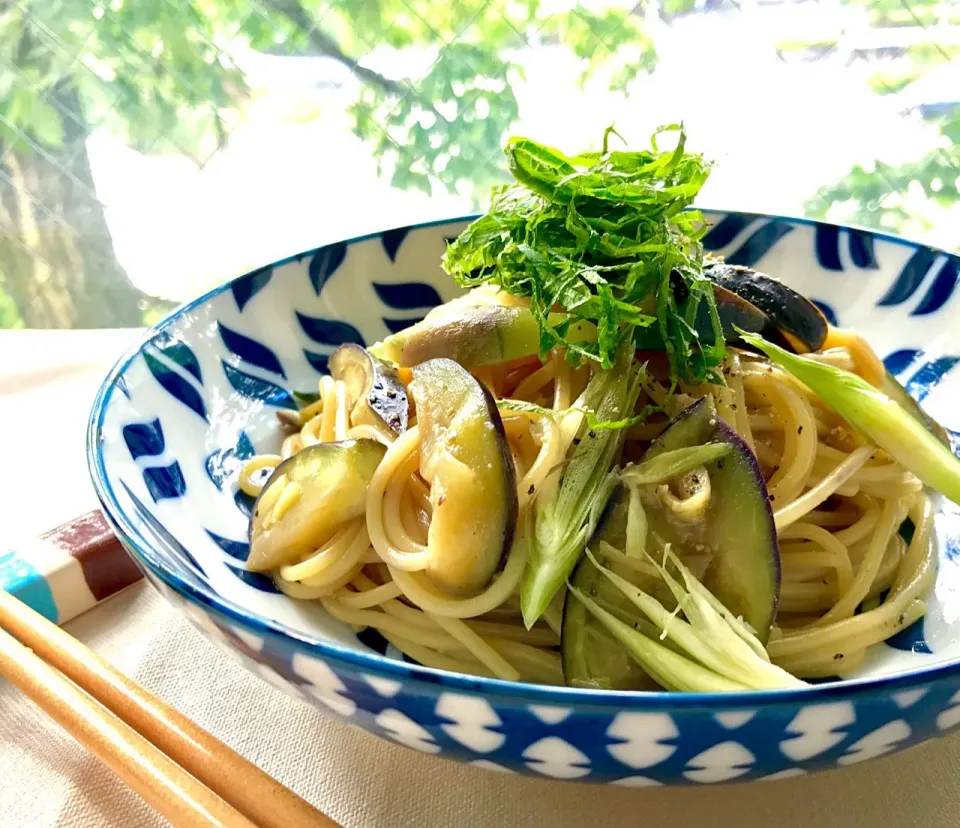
point(592, 657)
point(465, 457)
point(731, 546)
point(307, 497)
point(796, 318)
point(472, 335)
point(375, 394)
point(737, 531)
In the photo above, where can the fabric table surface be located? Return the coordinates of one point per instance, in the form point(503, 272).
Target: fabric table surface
point(47, 383)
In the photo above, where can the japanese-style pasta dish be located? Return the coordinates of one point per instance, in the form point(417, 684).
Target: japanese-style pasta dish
point(613, 462)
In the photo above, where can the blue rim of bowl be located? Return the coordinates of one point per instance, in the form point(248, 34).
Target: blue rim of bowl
point(375, 663)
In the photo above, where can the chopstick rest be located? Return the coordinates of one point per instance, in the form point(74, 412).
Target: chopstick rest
point(68, 570)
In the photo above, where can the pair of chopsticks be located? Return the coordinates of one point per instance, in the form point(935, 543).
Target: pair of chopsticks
point(186, 774)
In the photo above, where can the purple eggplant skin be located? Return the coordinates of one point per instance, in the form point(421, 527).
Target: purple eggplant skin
point(465, 456)
point(798, 320)
point(738, 528)
point(374, 390)
point(736, 312)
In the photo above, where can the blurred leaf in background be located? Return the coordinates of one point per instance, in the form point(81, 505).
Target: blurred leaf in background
point(920, 73)
point(158, 74)
point(149, 71)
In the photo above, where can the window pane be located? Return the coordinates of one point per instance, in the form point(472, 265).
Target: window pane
point(149, 150)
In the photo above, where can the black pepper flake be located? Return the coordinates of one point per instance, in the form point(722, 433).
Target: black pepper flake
point(900, 620)
point(733, 406)
point(837, 656)
point(576, 441)
point(532, 489)
point(799, 429)
point(592, 435)
point(771, 497)
point(720, 463)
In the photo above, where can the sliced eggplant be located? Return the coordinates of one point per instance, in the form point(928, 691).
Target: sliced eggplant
point(465, 458)
point(736, 312)
point(735, 528)
point(472, 335)
point(592, 657)
point(375, 394)
point(799, 321)
point(307, 497)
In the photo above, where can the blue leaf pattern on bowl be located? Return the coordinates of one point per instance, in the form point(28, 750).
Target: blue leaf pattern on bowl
point(246, 287)
point(397, 325)
point(861, 249)
point(759, 244)
point(257, 580)
point(726, 230)
point(244, 502)
point(408, 295)
point(392, 239)
point(827, 240)
point(238, 550)
point(910, 639)
point(222, 464)
point(165, 481)
point(329, 331)
point(250, 351)
point(324, 263)
point(177, 351)
point(175, 385)
point(929, 376)
point(257, 388)
point(898, 361)
point(317, 361)
point(144, 439)
point(941, 289)
point(909, 279)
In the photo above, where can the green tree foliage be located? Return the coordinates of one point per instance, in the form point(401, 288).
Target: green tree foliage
point(908, 196)
point(876, 196)
point(447, 123)
point(157, 74)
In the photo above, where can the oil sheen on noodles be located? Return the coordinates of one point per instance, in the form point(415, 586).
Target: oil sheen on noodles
point(838, 504)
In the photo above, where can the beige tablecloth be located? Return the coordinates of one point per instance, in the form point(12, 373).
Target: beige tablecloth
point(47, 381)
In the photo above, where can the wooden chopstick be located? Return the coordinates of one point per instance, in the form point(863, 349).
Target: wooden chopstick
point(153, 747)
point(157, 778)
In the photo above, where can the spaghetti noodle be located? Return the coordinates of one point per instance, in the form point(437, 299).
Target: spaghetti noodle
point(838, 504)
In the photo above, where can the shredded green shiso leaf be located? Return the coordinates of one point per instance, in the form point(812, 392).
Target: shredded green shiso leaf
point(605, 237)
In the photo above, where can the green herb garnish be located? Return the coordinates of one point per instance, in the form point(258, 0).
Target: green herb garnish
point(605, 237)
